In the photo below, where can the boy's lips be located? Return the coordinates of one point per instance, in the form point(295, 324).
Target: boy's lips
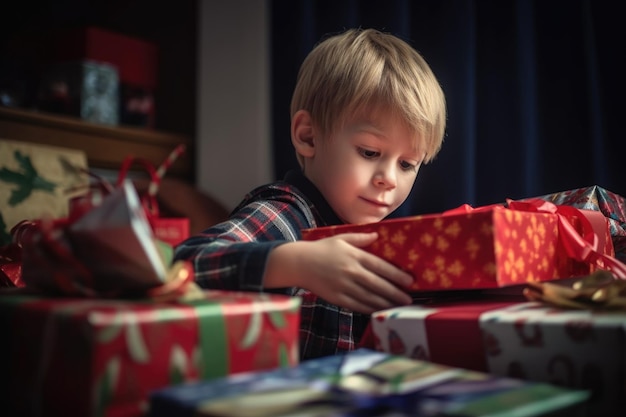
point(376, 203)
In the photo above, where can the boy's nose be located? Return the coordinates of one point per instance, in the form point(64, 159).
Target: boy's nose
point(385, 177)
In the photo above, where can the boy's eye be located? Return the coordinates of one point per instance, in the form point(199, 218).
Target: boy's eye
point(407, 166)
point(368, 154)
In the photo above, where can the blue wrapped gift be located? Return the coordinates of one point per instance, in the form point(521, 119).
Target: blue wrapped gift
point(364, 383)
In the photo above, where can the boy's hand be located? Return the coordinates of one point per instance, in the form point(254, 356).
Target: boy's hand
point(339, 271)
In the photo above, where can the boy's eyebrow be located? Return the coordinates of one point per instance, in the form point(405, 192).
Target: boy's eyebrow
point(370, 128)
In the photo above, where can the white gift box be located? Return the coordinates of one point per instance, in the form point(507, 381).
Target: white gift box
point(528, 340)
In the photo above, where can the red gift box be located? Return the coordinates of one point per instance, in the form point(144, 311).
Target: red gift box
point(525, 340)
point(78, 357)
point(490, 246)
point(135, 59)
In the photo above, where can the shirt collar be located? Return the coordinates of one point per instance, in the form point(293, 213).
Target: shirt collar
point(302, 183)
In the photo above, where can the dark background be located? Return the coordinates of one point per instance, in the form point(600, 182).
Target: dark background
point(534, 88)
point(27, 31)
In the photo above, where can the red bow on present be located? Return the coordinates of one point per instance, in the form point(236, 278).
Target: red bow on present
point(52, 266)
point(581, 246)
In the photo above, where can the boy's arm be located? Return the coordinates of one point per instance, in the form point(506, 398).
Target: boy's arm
point(232, 255)
point(258, 248)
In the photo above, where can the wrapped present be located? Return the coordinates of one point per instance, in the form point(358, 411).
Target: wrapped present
point(364, 383)
point(109, 250)
point(96, 357)
point(612, 205)
point(85, 89)
point(491, 246)
point(34, 182)
point(69, 323)
point(134, 58)
point(100, 250)
point(507, 336)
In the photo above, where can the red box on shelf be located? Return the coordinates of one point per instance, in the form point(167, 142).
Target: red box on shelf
point(85, 89)
point(135, 59)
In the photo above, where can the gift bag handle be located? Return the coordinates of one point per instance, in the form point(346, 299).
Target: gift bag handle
point(156, 175)
point(149, 199)
point(101, 183)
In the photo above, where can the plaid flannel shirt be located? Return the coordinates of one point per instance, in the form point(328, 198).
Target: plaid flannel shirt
point(232, 256)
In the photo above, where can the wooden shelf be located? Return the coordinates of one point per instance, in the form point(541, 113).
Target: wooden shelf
point(105, 146)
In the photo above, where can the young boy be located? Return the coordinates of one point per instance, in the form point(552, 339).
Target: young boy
point(366, 112)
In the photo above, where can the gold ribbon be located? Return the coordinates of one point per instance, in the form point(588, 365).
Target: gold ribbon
point(597, 291)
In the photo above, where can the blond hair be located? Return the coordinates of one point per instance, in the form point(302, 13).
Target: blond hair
point(363, 69)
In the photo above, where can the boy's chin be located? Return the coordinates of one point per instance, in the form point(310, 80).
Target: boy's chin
point(364, 219)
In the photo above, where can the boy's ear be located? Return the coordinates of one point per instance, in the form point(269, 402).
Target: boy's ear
point(302, 136)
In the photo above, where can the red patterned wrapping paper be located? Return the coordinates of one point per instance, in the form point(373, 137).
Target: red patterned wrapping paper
point(78, 357)
point(524, 340)
point(484, 248)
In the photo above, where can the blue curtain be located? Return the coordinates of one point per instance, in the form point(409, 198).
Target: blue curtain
point(534, 90)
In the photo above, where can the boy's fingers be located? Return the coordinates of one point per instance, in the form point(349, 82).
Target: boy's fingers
point(378, 290)
point(369, 302)
point(358, 239)
point(375, 264)
point(388, 271)
point(394, 295)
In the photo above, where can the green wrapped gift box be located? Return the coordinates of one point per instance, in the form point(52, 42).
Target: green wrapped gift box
point(96, 357)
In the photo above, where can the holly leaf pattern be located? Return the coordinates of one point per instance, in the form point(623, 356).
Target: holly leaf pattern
point(178, 365)
point(254, 328)
point(278, 319)
point(27, 179)
point(106, 385)
point(5, 236)
point(134, 340)
point(283, 355)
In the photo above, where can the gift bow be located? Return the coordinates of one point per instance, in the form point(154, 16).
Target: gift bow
point(579, 246)
point(599, 290)
point(582, 246)
point(69, 276)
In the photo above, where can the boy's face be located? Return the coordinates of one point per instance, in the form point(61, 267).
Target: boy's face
point(367, 168)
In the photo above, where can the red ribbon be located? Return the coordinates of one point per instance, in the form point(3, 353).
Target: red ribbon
point(581, 246)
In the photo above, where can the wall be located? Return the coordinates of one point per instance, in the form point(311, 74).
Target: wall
point(233, 110)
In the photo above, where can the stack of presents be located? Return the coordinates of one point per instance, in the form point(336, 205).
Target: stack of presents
point(96, 74)
point(109, 77)
point(519, 310)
